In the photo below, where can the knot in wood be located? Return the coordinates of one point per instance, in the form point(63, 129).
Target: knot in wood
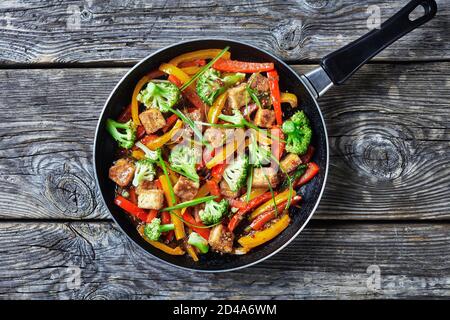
point(379, 156)
point(70, 194)
point(289, 37)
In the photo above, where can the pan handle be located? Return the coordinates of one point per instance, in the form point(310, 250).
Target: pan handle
point(338, 66)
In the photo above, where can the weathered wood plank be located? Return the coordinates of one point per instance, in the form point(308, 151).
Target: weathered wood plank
point(120, 32)
point(40, 261)
point(389, 139)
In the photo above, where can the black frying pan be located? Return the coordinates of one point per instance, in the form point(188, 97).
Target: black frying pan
point(334, 69)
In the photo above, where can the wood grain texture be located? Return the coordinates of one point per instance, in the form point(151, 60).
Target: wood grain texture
point(125, 31)
point(39, 261)
point(389, 143)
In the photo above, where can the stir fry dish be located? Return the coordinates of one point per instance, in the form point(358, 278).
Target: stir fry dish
point(206, 159)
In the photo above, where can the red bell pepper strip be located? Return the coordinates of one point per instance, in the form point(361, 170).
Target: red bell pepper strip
point(170, 122)
point(152, 214)
point(213, 187)
point(165, 219)
point(265, 217)
point(131, 208)
point(238, 216)
point(140, 132)
point(217, 171)
point(148, 138)
point(308, 155)
point(193, 63)
point(133, 196)
point(275, 95)
point(125, 115)
point(204, 232)
point(277, 145)
point(189, 93)
point(310, 172)
point(241, 66)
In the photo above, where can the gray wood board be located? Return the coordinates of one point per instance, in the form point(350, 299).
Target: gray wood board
point(123, 32)
point(389, 139)
point(41, 260)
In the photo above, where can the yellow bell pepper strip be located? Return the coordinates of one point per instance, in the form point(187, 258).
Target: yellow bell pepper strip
point(160, 141)
point(190, 70)
point(290, 98)
point(179, 226)
point(226, 152)
point(170, 69)
point(191, 251)
point(254, 193)
point(177, 251)
point(202, 192)
point(200, 54)
point(138, 154)
point(260, 237)
point(134, 102)
point(282, 197)
point(217, 107)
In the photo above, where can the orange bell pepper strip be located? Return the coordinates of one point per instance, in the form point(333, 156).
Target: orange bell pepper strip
point(282, 197)
point(200, 54)
point(160, 141)
point(179, 225)
point(193, 63)
point(254, 193)
point(177, 251)
point(275, 95)
point(170, 122)
point(260, 237)
point(202, 192)
point(241, 66)
point(190, 70)
point(290, 98)
point(217, 107)
point(191, 251)
point(134, 103)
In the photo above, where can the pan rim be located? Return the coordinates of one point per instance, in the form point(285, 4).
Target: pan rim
point(322, 188)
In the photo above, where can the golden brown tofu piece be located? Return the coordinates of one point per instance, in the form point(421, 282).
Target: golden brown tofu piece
point(238, 96)
point(221, 239)
point(264, 118)
point(186, 189)
point(146, 185)
point(226, 192)
point(215, 137)
point(122, 172)
point(262, 177)
point(152, 120)
point(151, 199)
point(290, 162)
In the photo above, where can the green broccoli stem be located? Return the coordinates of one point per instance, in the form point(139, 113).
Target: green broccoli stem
point(189, 203)
point(199, 242)
point(166, 227)
point(204, 69)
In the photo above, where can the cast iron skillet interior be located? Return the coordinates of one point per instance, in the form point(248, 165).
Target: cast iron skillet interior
point(105, 147)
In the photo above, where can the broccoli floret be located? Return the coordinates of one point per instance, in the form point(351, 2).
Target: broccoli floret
point(211, 84)
point(259, 154)
point(183, 160)
point(162, 95)
point(214, 211)
point(237, 118)
point(199, 242)
point(149, 154)
point(123, 133)
point(154, 229)
point(298, 132)
point(145, 170)
point(236, 173)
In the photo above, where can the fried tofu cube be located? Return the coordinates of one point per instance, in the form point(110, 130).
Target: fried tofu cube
point(152, 120)
point(145, 185)
point(151, 199)
point(238, 96)
point(215, 137)
point(221, 239)
point(290, 162)
point(122, 172)
point(186, 189)
point(264, 118)
point(262, 177)
point(226, 191)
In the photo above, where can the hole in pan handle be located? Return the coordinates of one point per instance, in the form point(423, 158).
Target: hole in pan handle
point(339, 65)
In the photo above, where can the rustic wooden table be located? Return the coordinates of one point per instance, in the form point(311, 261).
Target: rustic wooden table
point(386, 208)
